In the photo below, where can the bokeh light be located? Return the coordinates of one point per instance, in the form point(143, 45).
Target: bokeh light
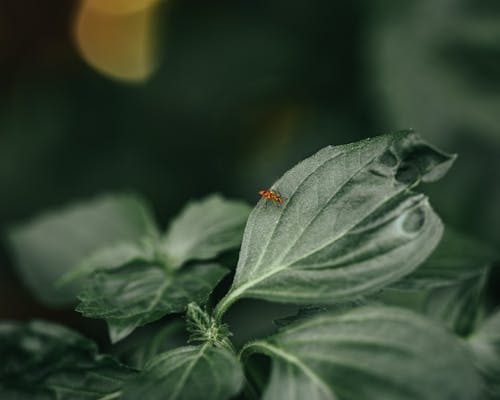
point(117, 37)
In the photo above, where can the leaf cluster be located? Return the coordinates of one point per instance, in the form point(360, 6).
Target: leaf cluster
point(392, 308)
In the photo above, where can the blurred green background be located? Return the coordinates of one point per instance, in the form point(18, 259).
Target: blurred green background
point(176, 99)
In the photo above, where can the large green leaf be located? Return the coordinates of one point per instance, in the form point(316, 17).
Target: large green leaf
point(449, 284)
point(485, 343)
point(348, 226)
point(369, 353)
point(139, 293)
point(41, 360)
point(191, 372)
point(54, 243)
point(205, 229)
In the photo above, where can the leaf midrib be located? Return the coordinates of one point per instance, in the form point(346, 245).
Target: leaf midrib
point(188, 370)
point(251, 282)
point(266, 348)
point(258, 263)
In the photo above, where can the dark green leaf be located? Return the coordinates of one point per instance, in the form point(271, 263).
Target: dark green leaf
point(448, 286)
point(41, 360)
point(54, 243)
point(149, 341)
point(205, 229)
point(136, 294)
point(369, 353)
point(457, 258)
point(192, 372)
point(485, 343)
point(349, 224)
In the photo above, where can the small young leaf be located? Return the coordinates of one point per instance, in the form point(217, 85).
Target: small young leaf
point(349, 224)
point(191, 372)
point(485, 343)
point(136, 294)
point(205, 229)
point(368, 353)
point(41, 360)
point(54, 243)
point(448, 285)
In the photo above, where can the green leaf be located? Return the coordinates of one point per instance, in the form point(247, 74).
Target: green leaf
point(138, 349)
point(136, 294)
point(457, 258)
point(204, 229)
point(349, 224)
point(54, 243)
point(112, 257)
point(485, 343)
point(368, 353)
point(190, 372)
point(449, 284)
point(41, 360)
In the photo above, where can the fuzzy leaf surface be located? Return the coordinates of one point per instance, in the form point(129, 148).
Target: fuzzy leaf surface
point(349, 224)
point(188, 373)
point(204, 229)
point(369, 353)
point(136, 294)
point(41, 360)
point(51, 245)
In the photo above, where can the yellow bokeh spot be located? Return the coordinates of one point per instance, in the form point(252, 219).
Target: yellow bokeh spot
point(120, 6)
point(117, 37)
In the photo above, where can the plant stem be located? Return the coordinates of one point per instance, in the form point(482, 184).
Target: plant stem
point(224, 304)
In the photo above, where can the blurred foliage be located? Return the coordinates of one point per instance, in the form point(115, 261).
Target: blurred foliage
point(239, 92)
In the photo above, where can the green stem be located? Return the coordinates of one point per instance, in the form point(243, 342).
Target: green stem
point(224, 304)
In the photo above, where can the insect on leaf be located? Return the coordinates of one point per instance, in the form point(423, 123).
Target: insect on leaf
point(350, 224)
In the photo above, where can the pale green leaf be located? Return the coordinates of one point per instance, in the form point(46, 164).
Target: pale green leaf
point(349, 224)
point(204, 229)
point(485, 343)
point(136, 294)
point(191, 372)
point(369, 353)
point(51, 245)
point(110, 257)
point(41, 360)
